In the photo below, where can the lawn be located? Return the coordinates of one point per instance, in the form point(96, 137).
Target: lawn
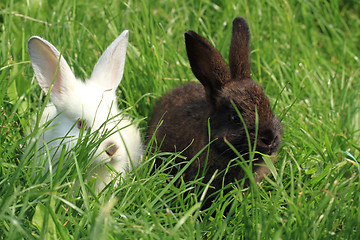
point(305, 54)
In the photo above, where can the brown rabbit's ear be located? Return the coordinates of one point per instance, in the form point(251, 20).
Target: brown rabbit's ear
point(239, 57)
point(206, 63)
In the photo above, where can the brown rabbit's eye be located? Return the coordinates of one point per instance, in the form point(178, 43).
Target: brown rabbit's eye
point(235, 118)
point(81, 123)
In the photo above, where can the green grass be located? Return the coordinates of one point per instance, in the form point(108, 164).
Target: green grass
point(304, 53)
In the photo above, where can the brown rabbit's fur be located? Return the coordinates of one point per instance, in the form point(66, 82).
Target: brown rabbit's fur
point(187, 110)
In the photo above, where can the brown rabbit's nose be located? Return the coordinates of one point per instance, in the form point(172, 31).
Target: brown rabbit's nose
point(269, 139)
point(111, 149)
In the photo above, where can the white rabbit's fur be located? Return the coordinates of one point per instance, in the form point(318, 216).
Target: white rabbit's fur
point(93, 101)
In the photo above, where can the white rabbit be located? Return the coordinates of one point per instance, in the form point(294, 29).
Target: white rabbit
point(92, 102)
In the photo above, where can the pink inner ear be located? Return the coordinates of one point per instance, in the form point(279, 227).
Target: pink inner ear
point(108, 71)
point(47, 62)
point(57, 84)
point(113, 82)
point(65, 82)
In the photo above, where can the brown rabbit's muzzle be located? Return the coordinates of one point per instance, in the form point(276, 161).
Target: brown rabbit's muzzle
point(268, 141)
point(253, 105)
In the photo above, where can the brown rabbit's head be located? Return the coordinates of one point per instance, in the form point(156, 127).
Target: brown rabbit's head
point(226, 87)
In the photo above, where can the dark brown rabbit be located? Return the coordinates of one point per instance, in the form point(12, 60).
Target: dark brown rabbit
point(187, 110)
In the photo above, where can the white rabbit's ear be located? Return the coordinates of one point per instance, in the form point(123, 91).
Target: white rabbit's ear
point(45, 61)
point(109, 69)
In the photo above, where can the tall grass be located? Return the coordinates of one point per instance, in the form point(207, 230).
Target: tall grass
point(304, 53)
